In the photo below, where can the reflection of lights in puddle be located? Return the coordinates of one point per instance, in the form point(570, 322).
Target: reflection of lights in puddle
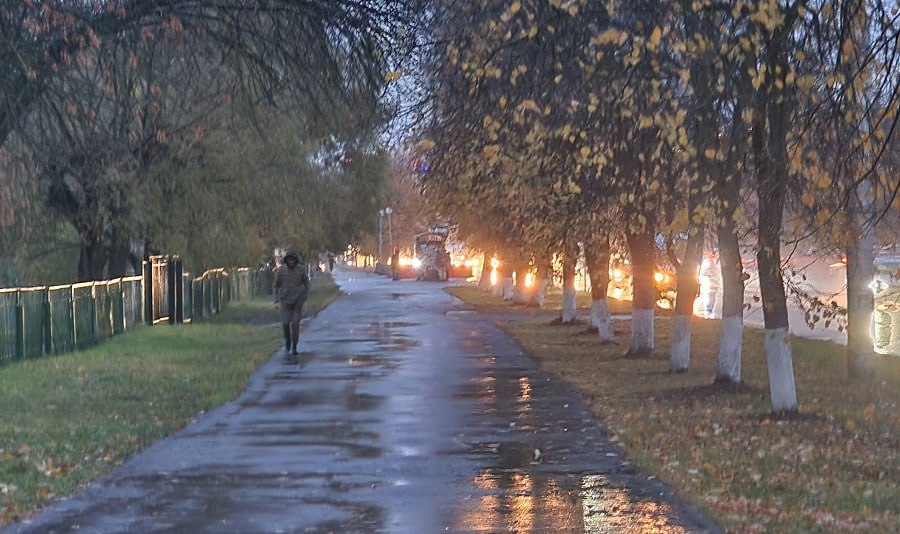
point(611, 509)
point(524, 389)
point(362, 361)
point(485, 481)
point(524, 398)
point(409, 451)
point(522, 503)
point(519, 501)
point(401, 482)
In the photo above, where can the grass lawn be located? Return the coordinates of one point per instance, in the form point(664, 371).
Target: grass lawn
point(66, 419)
point(833, 467)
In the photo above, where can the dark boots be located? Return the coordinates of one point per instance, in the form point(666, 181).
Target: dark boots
point(291, 336)
point(295, 336)
point(287, 336)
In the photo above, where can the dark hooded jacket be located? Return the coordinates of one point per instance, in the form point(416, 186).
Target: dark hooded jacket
point(291, 285)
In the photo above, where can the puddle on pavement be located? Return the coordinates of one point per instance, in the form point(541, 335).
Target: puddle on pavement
point(483, 360)
point(387, 328)
point(366, 361)
point(286, 375)
point(361, 402)
point(341, 448)
point(385, 335)
point(397, 324)
point(290, 399)
point(407, 451)
point(341, 486)
point(483, 389)
point(398, 344)
point(362, 517)
point(520, 501)
point(508, 455)
point(335, 432)
point(472, 345)
point(353, 340)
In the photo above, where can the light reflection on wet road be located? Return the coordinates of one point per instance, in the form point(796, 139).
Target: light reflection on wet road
point(403, 413)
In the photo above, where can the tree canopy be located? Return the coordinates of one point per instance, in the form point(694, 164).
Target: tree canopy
point(195, 124)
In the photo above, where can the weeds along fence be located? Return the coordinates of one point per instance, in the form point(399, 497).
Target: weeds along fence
point(37, 321)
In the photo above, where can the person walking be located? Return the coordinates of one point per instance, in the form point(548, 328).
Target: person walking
point(395, 263)
point(291, 288)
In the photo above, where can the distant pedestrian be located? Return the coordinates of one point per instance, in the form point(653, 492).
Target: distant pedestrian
point(291, 288)
point(395, 263)
point(330, 263)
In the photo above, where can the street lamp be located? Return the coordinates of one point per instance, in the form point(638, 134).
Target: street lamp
point(389, 210)
point(380, 216)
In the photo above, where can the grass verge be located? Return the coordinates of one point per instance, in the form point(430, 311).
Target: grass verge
point(833, 467)
point(66, 419)
point(488, 303)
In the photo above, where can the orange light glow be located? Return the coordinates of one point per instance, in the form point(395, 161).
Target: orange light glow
point(494, 277)
point(529, 280)
point(495, 263)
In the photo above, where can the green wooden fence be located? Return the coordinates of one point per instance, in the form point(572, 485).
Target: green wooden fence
point(38, 321)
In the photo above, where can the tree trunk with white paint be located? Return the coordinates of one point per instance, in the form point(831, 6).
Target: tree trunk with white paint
point(860, 273)
point(597, 255)
point(643, 263)
point(540, 296)
point(484, 282)
point(771, 164)
point(569, 304)
point(686, 294)
point(706, 131)
point(523, 293)
point(728, 189)
point(542, 278)
point(501, 282)
point(731, 330)
point(509, 288)
point(861, 205)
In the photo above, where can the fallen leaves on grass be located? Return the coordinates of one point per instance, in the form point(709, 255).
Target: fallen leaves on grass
point(835, 466)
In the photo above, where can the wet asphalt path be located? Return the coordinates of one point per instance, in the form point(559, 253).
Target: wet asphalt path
point(405, 412)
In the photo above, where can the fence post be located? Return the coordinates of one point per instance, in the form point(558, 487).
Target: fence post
point(199, 297)
point(20, 328)
point(178, 283)
point(170, 289)
point(95, 326)
point(148, 292)
point(48, 322)
point(74, 324)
